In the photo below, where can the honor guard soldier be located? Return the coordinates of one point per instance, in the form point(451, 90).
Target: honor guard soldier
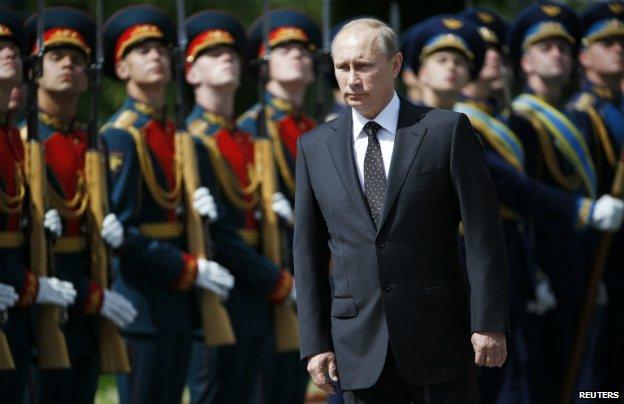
point(598, 111)
point(67, 42)
point(292, 39)
point(225, 154)
point(155, 271)
point(543, 40)
point(19, 288)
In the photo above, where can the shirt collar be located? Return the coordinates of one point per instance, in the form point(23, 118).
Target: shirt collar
point(388, 117)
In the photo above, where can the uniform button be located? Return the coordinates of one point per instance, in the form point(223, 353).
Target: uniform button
point(381, 244)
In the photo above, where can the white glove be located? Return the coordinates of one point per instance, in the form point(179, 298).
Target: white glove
point(117, 309)
point(112, 231)
point(52, 222)
point(608, 213)
point(214, 277)
point(282, 208)
point(602, 299)
point(544, 298)
point(55, 291)
point(8, 296)
point(204, 204)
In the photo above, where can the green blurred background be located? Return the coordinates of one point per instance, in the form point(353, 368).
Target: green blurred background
point(409, 13)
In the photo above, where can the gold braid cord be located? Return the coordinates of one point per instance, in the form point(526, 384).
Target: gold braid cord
point(70, 208)
point(13, 204)
point(571, 182)
point(166, 199)
point(278, 152)
point(602, 133)
point(228, 180)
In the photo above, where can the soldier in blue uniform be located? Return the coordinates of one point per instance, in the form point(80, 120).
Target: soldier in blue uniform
point(448, 52)
point(68, 40)
point(154, 269)
point(542, 41)
point(409, 76)
point(20, 287)
point(598, 111)
point(225, 154)
point(292, 39)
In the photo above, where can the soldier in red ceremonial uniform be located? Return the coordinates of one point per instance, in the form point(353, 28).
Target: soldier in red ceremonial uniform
point(155, 270)
point(293, 38)
point(20, 288)
point(229, 374)
point(67, 41)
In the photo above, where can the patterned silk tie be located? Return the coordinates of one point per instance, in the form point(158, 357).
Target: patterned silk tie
point(374, 172)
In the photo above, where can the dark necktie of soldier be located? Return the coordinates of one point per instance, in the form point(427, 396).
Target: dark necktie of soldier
point(374, 172)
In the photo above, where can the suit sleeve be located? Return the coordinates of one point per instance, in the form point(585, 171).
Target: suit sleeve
point(311, 263)
point(486, 261)
point(159, 261)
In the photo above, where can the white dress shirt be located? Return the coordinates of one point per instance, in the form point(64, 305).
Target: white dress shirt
point(387, 119)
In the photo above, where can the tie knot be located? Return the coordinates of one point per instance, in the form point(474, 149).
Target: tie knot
point(371, 128)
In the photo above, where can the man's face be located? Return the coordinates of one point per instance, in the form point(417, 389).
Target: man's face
point(291, 63)
point(549, 59)
point(604, 57)
point(146, 64)
point(10, 63)
point(445, 71)
point(217, 67)
point(364, 73)
point(492, 71)
point(64, 71)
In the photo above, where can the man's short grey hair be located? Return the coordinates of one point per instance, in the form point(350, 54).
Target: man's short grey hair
point(387, 39)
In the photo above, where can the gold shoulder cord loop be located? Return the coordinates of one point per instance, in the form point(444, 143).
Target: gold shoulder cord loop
point(166, 199)
point(70, 208)
point(571, 182)
point(278, 151)
point(602, 134)
point(13, 204)
point(228, 180)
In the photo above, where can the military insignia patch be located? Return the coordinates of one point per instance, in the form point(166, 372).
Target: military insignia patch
point(115, 161)
point(551, 11)
point(452, 23)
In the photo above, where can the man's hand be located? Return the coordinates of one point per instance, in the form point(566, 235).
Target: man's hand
point(490, 348)
point(322, 367)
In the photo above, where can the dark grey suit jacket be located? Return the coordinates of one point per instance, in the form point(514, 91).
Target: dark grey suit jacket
point(403, 284)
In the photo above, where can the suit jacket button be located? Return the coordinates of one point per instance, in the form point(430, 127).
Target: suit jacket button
point(386, 287)
point(381, 244)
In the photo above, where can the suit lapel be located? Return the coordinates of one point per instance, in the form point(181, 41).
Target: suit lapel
point(340, 146)
point(407, 142)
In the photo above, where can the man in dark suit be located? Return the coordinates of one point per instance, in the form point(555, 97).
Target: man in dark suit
point(382, 190)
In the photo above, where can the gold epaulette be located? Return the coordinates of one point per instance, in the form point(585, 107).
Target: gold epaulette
point(126, 119)
point(251, 114)
point(585, 101)
point(198, 127)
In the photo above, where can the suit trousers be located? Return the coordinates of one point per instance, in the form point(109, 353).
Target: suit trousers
point(392, 387)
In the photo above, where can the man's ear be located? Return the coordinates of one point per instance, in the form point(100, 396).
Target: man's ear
point(122, 70)
point(583, 58)
point(397, 63)
point(192, 75)
point(525, 64)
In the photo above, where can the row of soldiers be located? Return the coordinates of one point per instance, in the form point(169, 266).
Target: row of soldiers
point(552, 161)
point(242, 192)
point(552, 152)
